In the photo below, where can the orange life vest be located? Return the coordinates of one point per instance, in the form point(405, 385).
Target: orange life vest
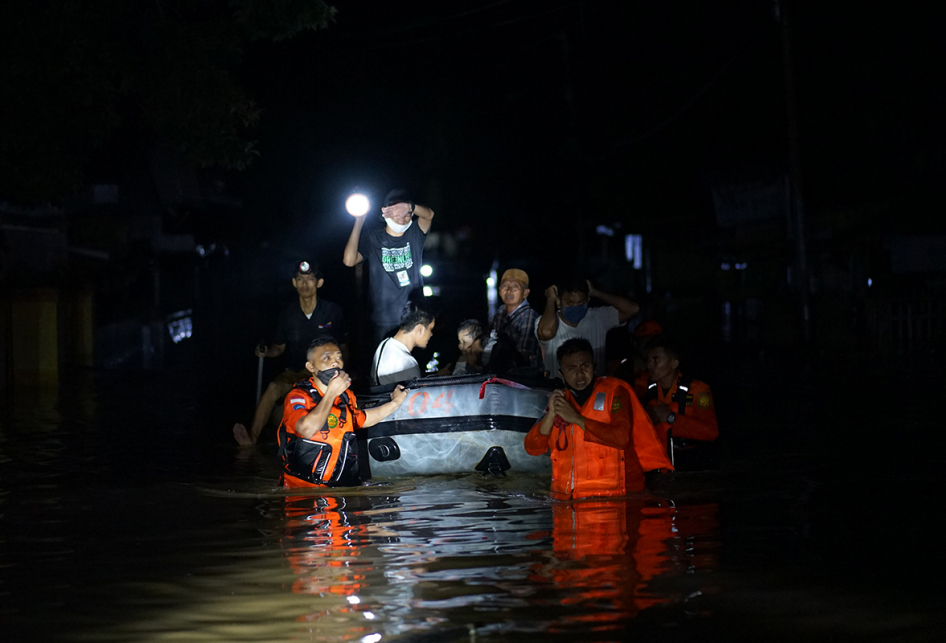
point(580, 468)
point(330, 457)
point(583, 468)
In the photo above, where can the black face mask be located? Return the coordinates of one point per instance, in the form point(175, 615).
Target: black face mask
point(582, 396)
point(326, 375)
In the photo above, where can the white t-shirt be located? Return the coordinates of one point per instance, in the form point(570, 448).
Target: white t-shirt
point(594, 327)
point(393, 363)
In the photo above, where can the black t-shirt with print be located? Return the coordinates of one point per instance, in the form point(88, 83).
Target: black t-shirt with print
point(393, 270)
point(297, 331)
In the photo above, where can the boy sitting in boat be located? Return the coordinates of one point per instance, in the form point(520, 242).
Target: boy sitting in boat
point(316, 438)
point(393, 361)
point(299, 323)
point(601, 439)
point(479, 353)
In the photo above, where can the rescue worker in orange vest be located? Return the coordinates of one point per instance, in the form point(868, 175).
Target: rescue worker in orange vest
point(316, 437)
point(600, 437)
point(681, 408)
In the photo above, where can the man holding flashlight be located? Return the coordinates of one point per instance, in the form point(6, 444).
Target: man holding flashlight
point(394, 254)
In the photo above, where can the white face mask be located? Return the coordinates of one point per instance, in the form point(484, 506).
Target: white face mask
point(397, 227)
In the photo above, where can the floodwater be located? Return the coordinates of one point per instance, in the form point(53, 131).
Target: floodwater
point(127, 515)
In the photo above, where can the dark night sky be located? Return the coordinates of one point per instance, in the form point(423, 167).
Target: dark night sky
point(533, 113)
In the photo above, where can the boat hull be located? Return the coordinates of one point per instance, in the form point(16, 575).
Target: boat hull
point(447, 428)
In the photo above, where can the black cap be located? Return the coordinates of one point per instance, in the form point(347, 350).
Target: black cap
point(397, 196)
point(308, 268)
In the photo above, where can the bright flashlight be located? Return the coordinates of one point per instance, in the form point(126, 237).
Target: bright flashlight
point(357, 205)
point(426, 270)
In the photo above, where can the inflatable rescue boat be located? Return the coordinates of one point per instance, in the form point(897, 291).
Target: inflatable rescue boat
point(455, 425)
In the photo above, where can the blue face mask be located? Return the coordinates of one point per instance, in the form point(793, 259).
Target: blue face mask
point(574, 314)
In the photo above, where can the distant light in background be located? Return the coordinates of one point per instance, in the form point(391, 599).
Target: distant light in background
point(354, 600)
point(870, 282)
point(633, 250)
point(426, 270)
point(741, 266)
point(180, 325)
point(492, 296)
point(724, 266)
point(371, 638)
point(605, 231)
point(369, 616)
point(357, 205)
point(431, 291)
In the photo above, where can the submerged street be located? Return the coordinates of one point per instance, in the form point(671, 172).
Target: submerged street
point(126, 514)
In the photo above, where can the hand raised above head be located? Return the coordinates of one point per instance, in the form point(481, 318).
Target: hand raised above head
point(397, 211)
point(552, 293)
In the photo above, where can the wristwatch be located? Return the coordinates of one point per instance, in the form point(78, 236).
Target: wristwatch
point(671, 417)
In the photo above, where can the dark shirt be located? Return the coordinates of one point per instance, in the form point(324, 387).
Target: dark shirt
point(393, 270)
point(297, 331)
point(520, 326)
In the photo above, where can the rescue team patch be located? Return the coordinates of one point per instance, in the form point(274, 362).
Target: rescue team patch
point(615, 405)
point(705, 400)
point(298, 407)
point(332, 421)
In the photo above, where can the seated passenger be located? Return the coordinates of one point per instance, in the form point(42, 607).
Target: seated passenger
point(516, 318)
point(316, 438)
point(299, 324)
point(472, 343)
point(680, 407)
point(393, 361)
point(495, 354)
point(600, 437)
point(567, 315)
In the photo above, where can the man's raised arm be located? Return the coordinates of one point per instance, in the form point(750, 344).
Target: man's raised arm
point(625, 307)
point(424, 217)
point(352, 257)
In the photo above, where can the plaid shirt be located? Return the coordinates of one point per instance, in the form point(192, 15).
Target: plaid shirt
point(520, 326)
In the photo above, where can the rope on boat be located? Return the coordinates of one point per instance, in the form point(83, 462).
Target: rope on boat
point(499, 380)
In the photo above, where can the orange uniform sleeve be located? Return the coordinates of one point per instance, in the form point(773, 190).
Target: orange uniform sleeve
point(699, 422)
point(536, 443)
point(617, 432)
point(296, 406)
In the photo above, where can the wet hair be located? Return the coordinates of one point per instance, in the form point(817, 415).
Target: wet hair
point(397, 195)
point(573, 284)
point(321, 340)
point(572, 346)
point(666, 342)
point(416, 315)
point(473, 327)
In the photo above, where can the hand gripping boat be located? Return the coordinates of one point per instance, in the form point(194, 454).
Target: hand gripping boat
point(455, 425)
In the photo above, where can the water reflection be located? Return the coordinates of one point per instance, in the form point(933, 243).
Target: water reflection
point(396, 565)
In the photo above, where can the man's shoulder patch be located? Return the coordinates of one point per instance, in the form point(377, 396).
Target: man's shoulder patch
point(332, 421)
point(704, 400)
point(616, 405)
